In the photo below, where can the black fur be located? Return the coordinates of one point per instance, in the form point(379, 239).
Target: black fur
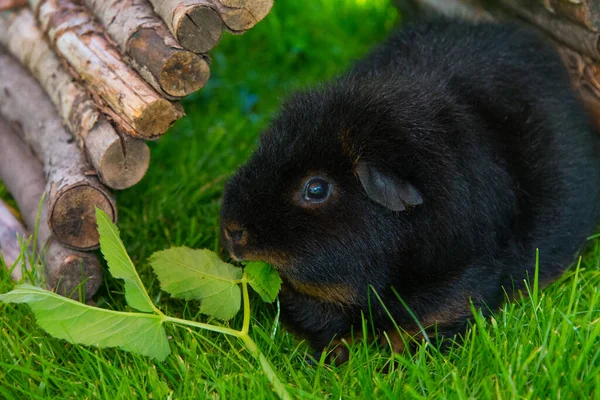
point(481, 120)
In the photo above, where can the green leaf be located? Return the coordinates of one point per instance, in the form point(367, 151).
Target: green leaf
point(120, 265)
point(76, 322)
point(264, 280)
point(202, 275)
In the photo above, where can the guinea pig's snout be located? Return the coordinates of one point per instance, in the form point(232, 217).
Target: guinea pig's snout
point(234, 237)
point(236, 234)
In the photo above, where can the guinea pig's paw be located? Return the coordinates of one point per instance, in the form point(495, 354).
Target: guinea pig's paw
point(401, 341)
point(340, 354)
point(339, 349)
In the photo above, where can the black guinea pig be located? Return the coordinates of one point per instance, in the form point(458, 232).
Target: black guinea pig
point(431, 171)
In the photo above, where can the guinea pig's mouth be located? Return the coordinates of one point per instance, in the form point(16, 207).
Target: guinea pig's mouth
point(277, 259)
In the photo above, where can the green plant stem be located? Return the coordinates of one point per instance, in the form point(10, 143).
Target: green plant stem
point(208, 327)
point(246, 324)
point(244, 336)
point(266, 367)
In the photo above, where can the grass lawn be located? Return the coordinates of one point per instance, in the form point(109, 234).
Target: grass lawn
point(546, 346)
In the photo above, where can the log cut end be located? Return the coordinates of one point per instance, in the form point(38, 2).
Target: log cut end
point(72, 272)
point(258, 8)
point(72, 217)
point(184, 73)
point(238, 19)
point(200, 30)
point(178, 72)
point(124, 163)
point(156, 118)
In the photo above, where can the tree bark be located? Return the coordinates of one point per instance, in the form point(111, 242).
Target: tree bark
point(22, 174)
point(150, 48)
point(121, 93)
point(583, 12)
point(120, 162)
point(194, 23)
point(11, 4)
point(562, 30)
point(72, 187)
point(12, 232)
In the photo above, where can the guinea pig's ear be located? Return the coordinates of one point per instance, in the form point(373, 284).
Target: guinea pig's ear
point(387, 190)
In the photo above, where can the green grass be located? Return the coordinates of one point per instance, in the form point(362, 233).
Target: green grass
point(546, 346)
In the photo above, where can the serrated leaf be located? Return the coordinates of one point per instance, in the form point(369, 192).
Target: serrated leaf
point(264, 280)
point(76, 322)
point(120, 265)
point(201, 275)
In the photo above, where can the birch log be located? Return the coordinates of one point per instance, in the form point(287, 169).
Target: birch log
point(123, 95)
point(22, 174)
point(11, 4)
point(258, 8)
point(241, 15)
point(150, 48)
point(73, 189)
point(120, 162)
point(12, 232)
point(194, 23)
point(583, 12)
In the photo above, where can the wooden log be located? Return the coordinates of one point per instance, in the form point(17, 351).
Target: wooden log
point(22, 174)
point(585, 75)
point(122, 94)
point(583, 12)
point(12, 232)
point(259, 9)
point(120, 162)
point(194, 23)
point(238, 19)
point(73, 188)
point(562, 30)
point(150, 48)
point(11, 4)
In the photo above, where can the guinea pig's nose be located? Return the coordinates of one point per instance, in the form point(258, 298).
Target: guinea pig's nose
point(236, 234)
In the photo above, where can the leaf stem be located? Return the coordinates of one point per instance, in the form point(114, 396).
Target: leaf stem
point(246, 324)
point(266, 366)
point(208, 327)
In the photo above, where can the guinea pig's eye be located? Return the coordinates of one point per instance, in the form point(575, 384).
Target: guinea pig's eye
point(317, 190)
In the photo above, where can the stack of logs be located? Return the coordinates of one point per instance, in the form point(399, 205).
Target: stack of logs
point(83, 84)
point(573, 26)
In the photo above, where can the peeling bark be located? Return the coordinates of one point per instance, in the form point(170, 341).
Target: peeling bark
point(195, 23)
point(22, 174)
point(73, 189)
point(150, 48)
point(120, 162)
point(121, 93)
point(11, 4)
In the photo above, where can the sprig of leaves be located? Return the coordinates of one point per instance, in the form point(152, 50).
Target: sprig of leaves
point(184, 273)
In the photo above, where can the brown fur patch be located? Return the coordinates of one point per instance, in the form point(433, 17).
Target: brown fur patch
point(277, 259)
point(455, 310)
point(398, 340)
point(347, 144)
point(335, 293)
